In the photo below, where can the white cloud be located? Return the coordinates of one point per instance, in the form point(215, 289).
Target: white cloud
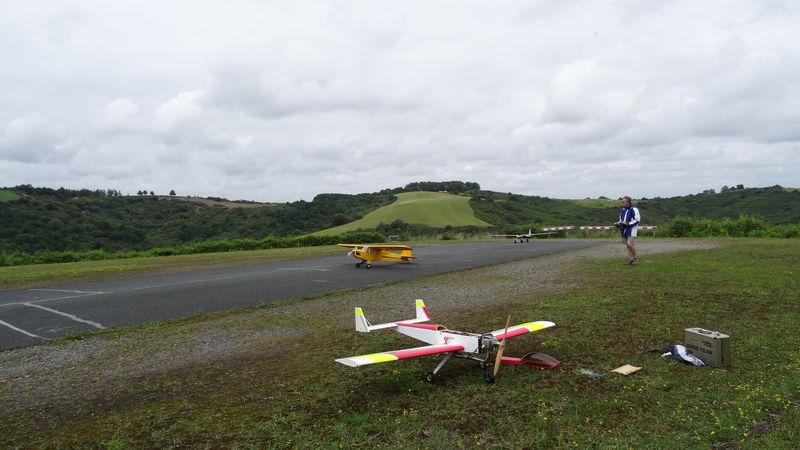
point(277, 101)
point(178, 110)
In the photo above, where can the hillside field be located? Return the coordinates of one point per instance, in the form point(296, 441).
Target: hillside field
point(7, 196)
point(434, 209)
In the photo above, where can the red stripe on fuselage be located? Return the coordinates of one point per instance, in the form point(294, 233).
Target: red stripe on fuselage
point(425, 351)
point(424, 326)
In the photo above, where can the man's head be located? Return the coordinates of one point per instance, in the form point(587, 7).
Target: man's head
point(626, 201)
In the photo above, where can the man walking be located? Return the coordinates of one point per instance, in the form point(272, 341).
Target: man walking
point(628, 227)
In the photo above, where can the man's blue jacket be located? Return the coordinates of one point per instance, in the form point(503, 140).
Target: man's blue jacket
point(630, 217)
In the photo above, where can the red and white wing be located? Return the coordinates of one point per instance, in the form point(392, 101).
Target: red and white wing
point(517, 330)
point(374, 358)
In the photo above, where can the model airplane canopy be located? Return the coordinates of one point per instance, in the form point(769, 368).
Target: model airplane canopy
point(440, 340)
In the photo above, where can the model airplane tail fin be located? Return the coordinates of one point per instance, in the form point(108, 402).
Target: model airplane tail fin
point(363, 325)
point(422, 311)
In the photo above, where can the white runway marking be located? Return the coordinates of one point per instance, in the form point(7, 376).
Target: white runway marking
point(21, 330)
point(70, 316)
point(65, 290)
point(86, 294)
point(321, 281)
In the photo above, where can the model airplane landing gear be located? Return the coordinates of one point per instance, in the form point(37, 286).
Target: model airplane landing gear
point(358, 264)
point(489, 376)
point(432, 374)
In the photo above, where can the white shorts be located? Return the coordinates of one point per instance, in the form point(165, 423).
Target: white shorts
point(630, 240)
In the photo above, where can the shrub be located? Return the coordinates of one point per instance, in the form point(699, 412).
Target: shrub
point(742, 227)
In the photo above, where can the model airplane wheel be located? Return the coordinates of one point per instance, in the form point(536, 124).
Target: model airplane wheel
point(484, 365)
point(429, 377)
point(358, 264)
point(489, 377)
point(369, 266)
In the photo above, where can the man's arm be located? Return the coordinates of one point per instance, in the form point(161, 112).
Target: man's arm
point(636, 218)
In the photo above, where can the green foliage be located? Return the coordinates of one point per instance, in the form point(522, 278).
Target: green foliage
point(510, 211)
point(773, 205)
point(452, 187)
point(742, 227)
point(43, 220)
point(218, 246)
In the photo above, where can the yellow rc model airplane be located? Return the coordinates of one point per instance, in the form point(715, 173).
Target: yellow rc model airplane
point(379, 252)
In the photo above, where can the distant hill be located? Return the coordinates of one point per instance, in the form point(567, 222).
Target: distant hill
point(774, 205)
point(434, 209)
point(40, 219)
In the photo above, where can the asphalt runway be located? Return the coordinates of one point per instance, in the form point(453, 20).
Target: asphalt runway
point(31, 316)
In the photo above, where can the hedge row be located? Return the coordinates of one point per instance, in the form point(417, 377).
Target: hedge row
point(742, 227)
point(49, 257)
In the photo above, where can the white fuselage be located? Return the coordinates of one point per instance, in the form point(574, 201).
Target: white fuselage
point(437, 334)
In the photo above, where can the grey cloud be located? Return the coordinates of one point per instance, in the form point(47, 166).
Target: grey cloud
point(33, 139)
point(281, 101)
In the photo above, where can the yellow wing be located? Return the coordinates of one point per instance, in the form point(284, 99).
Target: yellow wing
point(377, 246)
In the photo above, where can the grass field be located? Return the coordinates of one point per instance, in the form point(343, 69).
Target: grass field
point(38, 275)
point(426, 208)
point(286, 391)
point(6, 196)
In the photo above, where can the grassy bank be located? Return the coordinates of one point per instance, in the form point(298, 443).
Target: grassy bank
point(285, 391)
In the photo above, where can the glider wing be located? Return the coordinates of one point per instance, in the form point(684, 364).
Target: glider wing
point(374, 358)
point(518, 330)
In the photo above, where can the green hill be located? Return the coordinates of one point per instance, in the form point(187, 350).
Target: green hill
point(44, 219)
point(434, 209)
point(34, 219)
point(775, 205)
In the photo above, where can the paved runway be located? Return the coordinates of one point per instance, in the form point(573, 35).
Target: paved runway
point(30, 316)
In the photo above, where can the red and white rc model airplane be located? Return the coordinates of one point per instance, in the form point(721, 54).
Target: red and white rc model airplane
point(449, 343)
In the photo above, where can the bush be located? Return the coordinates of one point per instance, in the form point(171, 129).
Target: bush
point(742, 227)
point(217, 246)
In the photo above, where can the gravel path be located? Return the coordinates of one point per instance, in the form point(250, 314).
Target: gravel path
point(34, 378)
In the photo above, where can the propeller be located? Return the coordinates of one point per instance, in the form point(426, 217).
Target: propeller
point(500, 348)
point(356, 248)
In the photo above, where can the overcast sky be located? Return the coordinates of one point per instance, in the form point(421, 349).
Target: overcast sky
point(279, 101)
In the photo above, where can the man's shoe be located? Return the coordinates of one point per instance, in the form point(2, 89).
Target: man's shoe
point(634, 261)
